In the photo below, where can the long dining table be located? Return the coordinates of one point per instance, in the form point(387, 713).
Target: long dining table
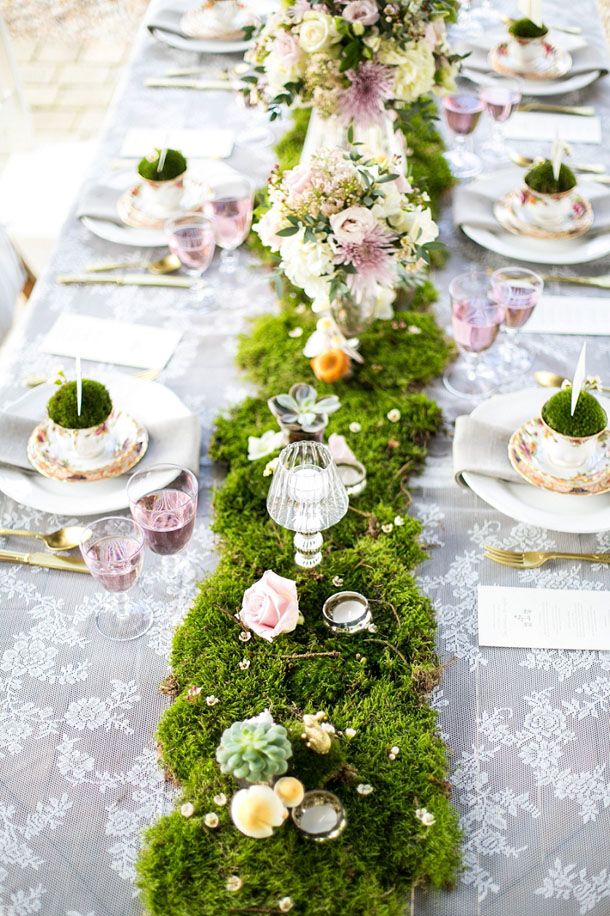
point(526, 730)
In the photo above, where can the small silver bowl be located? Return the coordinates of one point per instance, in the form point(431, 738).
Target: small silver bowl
point(353, 476)
point(347, 612)
point(320, 816)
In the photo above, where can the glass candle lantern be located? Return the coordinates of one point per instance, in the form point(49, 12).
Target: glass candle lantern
point(307, 496)
point(320, 816)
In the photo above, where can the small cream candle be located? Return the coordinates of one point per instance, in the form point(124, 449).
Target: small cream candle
point(320, 816)
point(319, 819)
point(347, 612)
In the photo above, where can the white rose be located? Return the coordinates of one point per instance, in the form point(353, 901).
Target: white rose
point(422, 228)
point(317, 32)
point(353, 224)
point(391, 203)
point(268, 226)
point(415, 69)
point(384, 297)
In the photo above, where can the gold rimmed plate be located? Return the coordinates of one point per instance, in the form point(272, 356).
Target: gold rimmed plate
point(511, 215)
point(132, 213)
point(126, 445)
point(553, 63)
point(195, 24)
point(527, 457)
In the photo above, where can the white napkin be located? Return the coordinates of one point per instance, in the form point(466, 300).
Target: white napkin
point(538, 125)
point(570, 315)
point(206, 143)
point(482, 449)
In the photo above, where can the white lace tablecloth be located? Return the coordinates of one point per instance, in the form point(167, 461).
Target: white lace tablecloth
point(528, 731)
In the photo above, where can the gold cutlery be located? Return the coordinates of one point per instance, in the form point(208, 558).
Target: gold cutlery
point(238, 70)
point(165, 265)
point(46, 560)
point(585, 111)
point(602, 282)
point(548, 379)
point(527, 161)
point(222, 85)
point(568, 29)
point(62, 539)
point(532, 559)
point(130, 280)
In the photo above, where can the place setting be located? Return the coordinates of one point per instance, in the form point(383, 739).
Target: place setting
point(547, 61)
point(211, 27)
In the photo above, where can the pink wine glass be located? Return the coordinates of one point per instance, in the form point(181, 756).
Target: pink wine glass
point(462, 111)
point(500, 98)
point(191, 239)
point(114, 553)
point(163, 501)
point(230, 207)
point(476, 319)
point(517, 291)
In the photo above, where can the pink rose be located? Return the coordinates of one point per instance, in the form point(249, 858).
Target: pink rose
point(435, 33)
point(270, 606)
point(287, 48)
point(352, 224)
point(297, 181)
point(364, 11)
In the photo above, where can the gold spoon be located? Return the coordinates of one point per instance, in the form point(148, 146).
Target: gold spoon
point(165, 265)
point(62, 539)
point(548, 379)
point(527, 161)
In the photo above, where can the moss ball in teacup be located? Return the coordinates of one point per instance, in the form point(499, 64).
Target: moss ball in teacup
point(589, 417)
point(96, 405)
point(541, 179)
point(174, 165)
point(525, 28)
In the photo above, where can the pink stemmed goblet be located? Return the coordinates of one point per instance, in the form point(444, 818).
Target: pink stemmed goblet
point(476, 319)
point(230, 208)
point(114, 553)
point(517, 291)
point(191, 238)
point(163, 501)
point(500, 97)
point(462, 111)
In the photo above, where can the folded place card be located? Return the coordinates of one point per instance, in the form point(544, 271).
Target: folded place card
point(543, 618)
point(208, 143)
point(537, 125)
point(570, 315)
point(107, 341)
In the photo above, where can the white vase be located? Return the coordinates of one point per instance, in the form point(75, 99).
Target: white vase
point(381, 140)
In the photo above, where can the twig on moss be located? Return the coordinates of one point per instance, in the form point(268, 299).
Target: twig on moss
point(389, 645)
point(387, 604)
point(312, 655)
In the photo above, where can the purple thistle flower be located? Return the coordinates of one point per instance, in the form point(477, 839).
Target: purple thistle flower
point(363, 101)
point(373, 260)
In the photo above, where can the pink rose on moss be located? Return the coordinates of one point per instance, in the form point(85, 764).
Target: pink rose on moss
point(270, 606)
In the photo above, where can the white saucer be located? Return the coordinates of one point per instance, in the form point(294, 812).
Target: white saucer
point(537, 87)
point(523, 502)
point(147, 401)
point(540, 251)
point(201, 45)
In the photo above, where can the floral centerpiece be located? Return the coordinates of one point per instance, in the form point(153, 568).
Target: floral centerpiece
point(348, 231)
point(355, 59)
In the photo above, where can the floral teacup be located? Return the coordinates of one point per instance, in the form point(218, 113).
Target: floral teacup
point(526, 51)
point(549, 211)
point(570, 452)
point(84, 443)
point(162, 198)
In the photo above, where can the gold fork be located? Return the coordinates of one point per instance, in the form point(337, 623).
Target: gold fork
point(532, 559)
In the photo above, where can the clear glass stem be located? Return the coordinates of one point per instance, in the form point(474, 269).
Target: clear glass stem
point(122, 610)
point(229, 261)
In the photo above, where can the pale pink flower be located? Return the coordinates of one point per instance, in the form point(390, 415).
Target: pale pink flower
point(270, 606)
point(372, 259)
point(364, 99)
point(364, 11)
point(286, 47)
point(353, 224)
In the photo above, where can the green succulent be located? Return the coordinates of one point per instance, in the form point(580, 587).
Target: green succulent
point(541, 178)
point(96, 405)
point(174, 165)
point(255, 750)
point(301, 410)
point(588, 419)
point(525, 28)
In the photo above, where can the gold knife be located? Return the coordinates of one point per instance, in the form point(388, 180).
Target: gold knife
point(129, 280)
point(222, 85)
point(585, 111)
point(46, 560)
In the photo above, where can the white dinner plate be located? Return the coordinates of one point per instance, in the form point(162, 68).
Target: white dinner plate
point(538, 87)
point(201, 45)
point(143, 400)
point(540, 251)
point(529, 504)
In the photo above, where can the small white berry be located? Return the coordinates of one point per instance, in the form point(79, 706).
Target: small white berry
point(393, 415)
point(387, 528)
point(425, 816)
point(245, 635)
point(285, 904)
point(234, 883)
point(211, 820)
point(395, 750)
point(399, 521)
point(337, 581)
point(212, 700)
point(244, 664)
point(187, 809)
point(355, 427)
point(350, 732)
point(296, 332)
point(413, 329)
point(364, 788)
point(220, 799)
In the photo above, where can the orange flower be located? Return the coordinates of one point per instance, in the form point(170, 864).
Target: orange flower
point(331, 365)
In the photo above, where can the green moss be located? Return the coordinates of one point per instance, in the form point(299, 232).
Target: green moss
point(174, 165)
point(541, 178)
point(525, 28)
point(589, 417)
point(376, 683)
point(95, 408)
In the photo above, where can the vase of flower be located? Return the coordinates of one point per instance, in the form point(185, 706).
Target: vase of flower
point(571, 440)
point(380, 140)
point(353, 315)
